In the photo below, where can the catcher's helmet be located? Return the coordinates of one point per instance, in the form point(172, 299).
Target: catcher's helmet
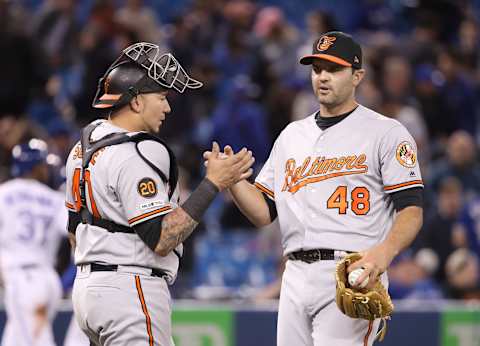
point(26, 156)
point(141, 68)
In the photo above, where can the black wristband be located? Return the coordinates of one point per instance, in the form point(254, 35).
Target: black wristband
point(200, 199)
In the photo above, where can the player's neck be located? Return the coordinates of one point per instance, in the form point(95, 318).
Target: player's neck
point(125, 122)
point(328, 112)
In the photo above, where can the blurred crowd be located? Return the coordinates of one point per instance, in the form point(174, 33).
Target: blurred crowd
point(423, 69)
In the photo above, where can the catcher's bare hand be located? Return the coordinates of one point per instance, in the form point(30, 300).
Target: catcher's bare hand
point(374, 261)
point(225, 170)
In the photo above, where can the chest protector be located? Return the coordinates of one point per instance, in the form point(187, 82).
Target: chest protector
point(88, 150)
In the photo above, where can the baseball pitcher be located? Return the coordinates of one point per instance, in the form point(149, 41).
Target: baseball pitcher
point(344, 179)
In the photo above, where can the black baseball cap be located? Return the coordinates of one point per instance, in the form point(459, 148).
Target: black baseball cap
point(337, 47)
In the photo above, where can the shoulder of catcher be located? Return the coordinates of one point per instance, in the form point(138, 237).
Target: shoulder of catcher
point(156, 153)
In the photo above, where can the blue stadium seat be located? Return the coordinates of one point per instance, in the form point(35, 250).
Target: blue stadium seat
point(233, 260)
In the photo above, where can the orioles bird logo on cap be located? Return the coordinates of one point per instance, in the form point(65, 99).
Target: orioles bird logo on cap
point(325, 42)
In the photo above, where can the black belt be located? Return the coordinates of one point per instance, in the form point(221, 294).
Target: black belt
point(310, 256)
point(95, 267)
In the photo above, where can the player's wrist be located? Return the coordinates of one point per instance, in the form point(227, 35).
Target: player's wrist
point(236, 186)
point(200, 199)
point(215, 181)
point(390, 251)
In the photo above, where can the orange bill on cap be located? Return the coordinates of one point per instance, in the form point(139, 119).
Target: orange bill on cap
point(308, 59)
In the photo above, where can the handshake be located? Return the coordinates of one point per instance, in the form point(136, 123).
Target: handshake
point(226, 168)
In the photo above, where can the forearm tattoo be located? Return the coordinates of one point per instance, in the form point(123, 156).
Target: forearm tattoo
point(180, 223)
point(176, 227)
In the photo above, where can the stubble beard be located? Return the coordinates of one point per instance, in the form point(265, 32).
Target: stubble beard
point(332, 100)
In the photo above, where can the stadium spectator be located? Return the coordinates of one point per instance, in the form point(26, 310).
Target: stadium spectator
point(460, 162)
point(140, 19)
point(428, 82)
point(235, 54)
point(463, 273)
point(97, 51)
point(469, 226)
point(398, 102)
point(240, 121)
point(24, 68)
point(409, 279)
point(56, 29)
point(468, 46)
point(422, 44)
point(458, 91)
point(437, 233)
point(278, 41)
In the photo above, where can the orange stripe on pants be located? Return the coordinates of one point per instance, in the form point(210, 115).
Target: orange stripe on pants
point(369, 331)
point(145, 311)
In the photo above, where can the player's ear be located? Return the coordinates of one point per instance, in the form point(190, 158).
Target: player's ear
point(358, 76)
point(136, 104)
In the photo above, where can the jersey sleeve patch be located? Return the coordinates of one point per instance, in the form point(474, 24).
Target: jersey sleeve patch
point(406, 154)
point(265, 190)
point(146, 216)
point(147, 188)
point(152, 205)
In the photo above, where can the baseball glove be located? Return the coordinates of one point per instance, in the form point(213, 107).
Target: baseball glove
point(364, 303)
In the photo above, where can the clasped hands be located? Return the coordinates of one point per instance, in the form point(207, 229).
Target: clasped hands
point(226, 168)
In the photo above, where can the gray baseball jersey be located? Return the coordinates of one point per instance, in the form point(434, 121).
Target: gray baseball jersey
point(123, 188)
point(331, 187)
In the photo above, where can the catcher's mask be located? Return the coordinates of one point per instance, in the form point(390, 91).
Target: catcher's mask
point(141, 68)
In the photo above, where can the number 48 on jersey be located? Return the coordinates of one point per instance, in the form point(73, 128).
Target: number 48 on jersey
point(359, 200)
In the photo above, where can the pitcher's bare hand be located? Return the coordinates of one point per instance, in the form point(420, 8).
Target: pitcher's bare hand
point(374, 261)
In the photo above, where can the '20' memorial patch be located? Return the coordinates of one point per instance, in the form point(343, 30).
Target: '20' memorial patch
point(147, 188)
